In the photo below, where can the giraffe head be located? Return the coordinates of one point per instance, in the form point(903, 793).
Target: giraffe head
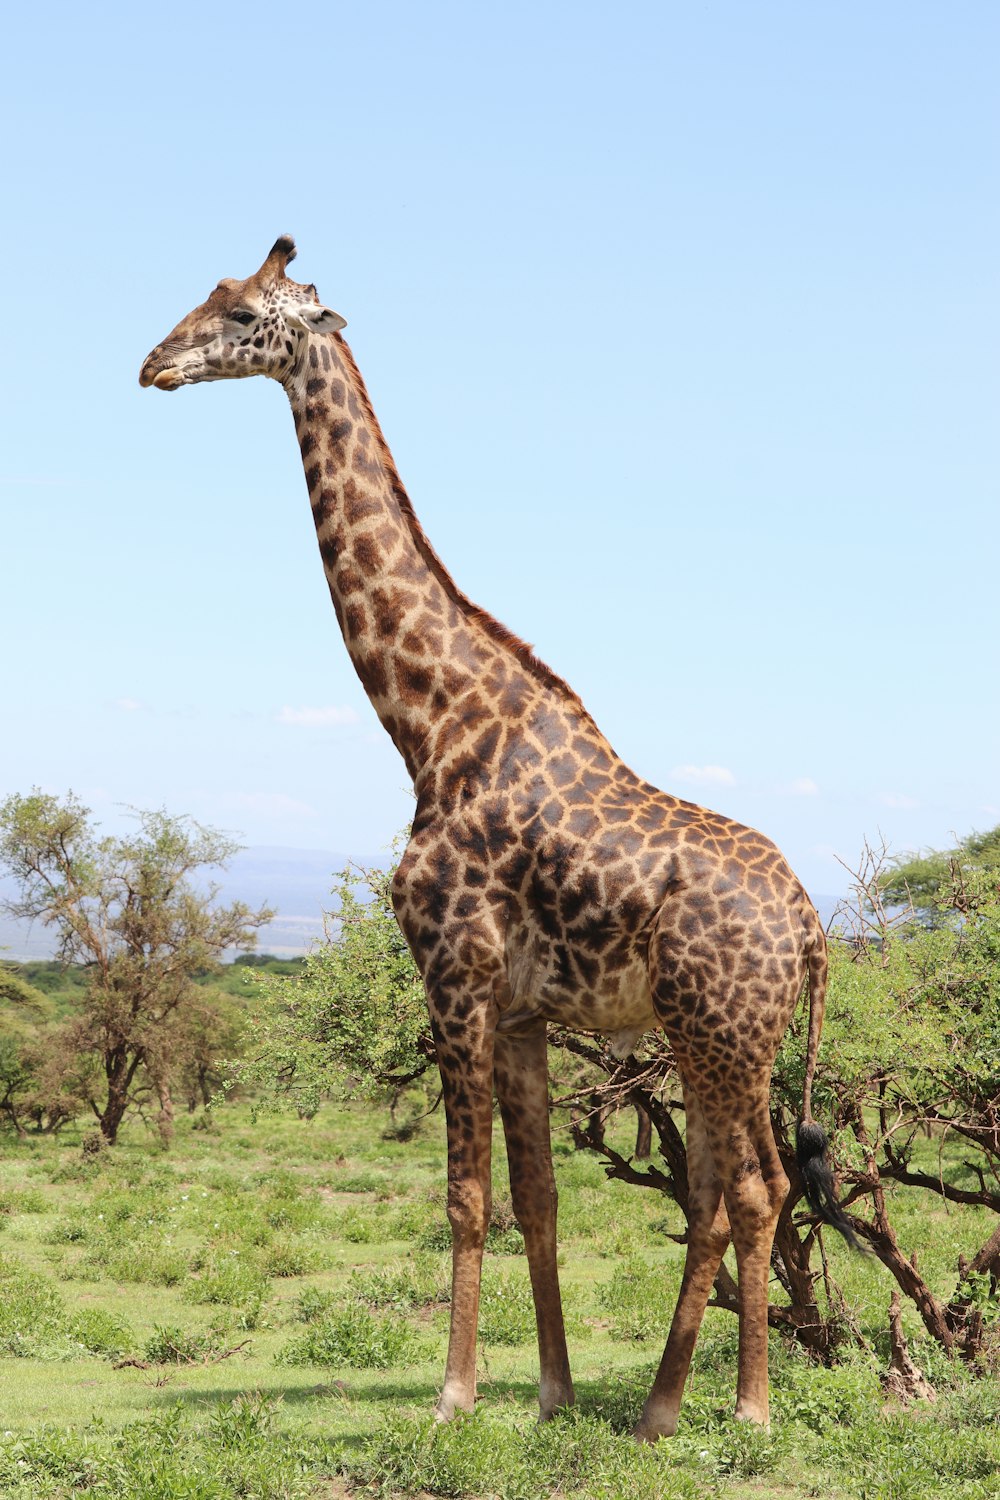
point(252, 327)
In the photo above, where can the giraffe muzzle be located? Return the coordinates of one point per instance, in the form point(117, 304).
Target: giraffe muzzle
point(162, 377)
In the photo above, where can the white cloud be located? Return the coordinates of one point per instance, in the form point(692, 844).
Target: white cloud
point(128, 705)
point(899, 801)
point(704, 775)
point(311, 717)
point(804, 786)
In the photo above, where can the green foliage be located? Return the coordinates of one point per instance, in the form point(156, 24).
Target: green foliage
point(638, 1300)
point(16, 991)
point(141, 1262)
point(353, 1024)
point(356, 1337)
point(913, 1017)
point(101, 1332)
point(35, 1322)
point(176, 1346)
point(23, 1201)
point(32, 1312)
point(831, 1433)
point(128, 912)
point(573, 1455)
point(823, 1398)
point(290, 1258)
point(506, 1309)
point(398, 1287)
point(313, 1304)
point(231, 1280)
point(228, 1456)
point(923, 878)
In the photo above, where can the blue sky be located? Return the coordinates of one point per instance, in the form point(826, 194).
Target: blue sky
point(681, 322)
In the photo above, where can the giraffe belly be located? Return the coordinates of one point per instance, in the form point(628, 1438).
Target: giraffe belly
point(618, 1006)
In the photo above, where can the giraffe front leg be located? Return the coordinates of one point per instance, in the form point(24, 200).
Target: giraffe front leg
point(522, 1085)
point(465, 1057)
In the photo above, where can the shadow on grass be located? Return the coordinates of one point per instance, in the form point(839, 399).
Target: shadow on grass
point(335, 1388)
point(616, 1400)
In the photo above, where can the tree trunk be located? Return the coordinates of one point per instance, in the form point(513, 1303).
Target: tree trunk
point(643, 1134)
point(165, 1119)
point(903, 1380)
point(110, 1118)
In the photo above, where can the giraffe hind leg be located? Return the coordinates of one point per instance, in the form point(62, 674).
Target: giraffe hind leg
point(708, 1237)
point(725, 1029)
point(755, 1189)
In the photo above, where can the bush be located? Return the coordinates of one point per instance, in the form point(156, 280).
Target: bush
point(638, 1301)
point(479, 1455)
point(506, 1309)
point(101, 1333)
point(157, 1265)
point(289, 1259)
point(25, 1201)
point(229, 1280)
point(31, 1311)
point(356, 1337)
point(401, 1287)
point(313, 1304)
point(172, 1346)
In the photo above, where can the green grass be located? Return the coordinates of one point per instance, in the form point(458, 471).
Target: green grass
point(263, 1313)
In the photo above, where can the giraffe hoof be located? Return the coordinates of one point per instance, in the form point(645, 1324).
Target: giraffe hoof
point(549, 1409)
point(753, 1418)
point(647, 1430)
point(449, 1407)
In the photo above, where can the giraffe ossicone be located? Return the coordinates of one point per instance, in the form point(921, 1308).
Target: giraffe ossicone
point(544, 881)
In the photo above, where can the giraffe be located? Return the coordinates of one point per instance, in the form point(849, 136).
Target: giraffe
point(544, 881)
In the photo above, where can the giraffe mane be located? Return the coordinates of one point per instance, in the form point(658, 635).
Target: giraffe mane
point(497, 631)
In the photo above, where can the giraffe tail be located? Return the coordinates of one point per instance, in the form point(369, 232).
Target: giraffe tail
point(810, 1138)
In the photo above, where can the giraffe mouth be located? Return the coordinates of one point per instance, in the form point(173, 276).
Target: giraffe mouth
point(169, 379)
point(160, 371)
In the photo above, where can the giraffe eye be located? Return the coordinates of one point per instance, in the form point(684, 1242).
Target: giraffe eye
point(241, 315)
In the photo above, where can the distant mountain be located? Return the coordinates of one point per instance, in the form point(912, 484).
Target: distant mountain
point(295, 881)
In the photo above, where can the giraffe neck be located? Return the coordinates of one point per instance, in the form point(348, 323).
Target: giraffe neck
point(417, 644)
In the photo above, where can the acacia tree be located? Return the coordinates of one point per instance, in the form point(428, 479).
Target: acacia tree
point(127, 908)
point(921, 880)
point(353, 1023)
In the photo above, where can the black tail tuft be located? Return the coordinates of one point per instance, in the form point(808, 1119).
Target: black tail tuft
point(817, 1180)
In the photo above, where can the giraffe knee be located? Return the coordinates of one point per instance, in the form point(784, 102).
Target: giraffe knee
point(778, 1187)
point(469, 1207)
point(535, 1203)
point(755, 1198)
point(718, 1235)
point(708, 1223)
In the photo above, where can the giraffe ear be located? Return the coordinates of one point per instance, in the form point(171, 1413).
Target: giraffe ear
point(313, 317)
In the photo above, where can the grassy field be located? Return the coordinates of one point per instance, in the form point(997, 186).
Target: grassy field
point(262, 1312)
